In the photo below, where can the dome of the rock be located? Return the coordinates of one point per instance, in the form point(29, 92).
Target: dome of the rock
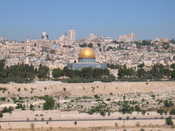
point(88, 53)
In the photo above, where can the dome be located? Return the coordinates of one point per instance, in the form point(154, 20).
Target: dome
point(87, 53)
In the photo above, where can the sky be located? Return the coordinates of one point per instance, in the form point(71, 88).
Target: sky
point(26, 19)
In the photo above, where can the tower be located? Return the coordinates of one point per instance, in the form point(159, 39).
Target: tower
point(71, 34)
point(44, 36)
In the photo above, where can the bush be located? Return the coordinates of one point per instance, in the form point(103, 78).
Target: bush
point(100, 108)
point(1, 114)
point(172, 112)
point(168, 103)
point(43, 72)
point(7, 110)
point(16, 73)
point(84, 75)
point(49, 103)
point(57, 73)
point(160, 111)
point(169, 121)
point(125, 107)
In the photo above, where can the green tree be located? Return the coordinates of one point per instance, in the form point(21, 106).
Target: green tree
point(49, 103)
point(43, 72)
point(83, 45)
point(2, 64)
point(1, 114)
point(112, 66)
point(173, 74)
point(158, 71)
point(20, 73)
point(57, 73)
point(87, 73)
point(172, 112)
point(160, 111)
point(172, 41)
point(7, 110)
point(141, 73)
point(173, 71)
point(3, 73)
point(31, 107)
point(67, 72)
point(90, 45)
point(141, 65)
point(126, 73)
point(169, 121)
point(168, 103)
point(125, 107)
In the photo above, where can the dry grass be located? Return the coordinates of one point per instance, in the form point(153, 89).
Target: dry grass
point(59, 129)
point(96, 129)
point(84, 89)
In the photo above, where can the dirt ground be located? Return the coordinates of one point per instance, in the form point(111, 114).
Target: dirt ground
point(85, 89)
point(95, 129)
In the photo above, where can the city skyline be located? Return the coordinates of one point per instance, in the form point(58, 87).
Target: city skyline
point(147, 19)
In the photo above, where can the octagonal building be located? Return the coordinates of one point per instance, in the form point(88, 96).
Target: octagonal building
point(86, 59)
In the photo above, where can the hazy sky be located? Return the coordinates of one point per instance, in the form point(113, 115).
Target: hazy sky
point(23, 19)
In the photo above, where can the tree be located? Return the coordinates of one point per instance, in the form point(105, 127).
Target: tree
point(84, 75)
point(49, 103)
point(1, 114)
point(75, 122)
point(172, 41)
point(20, 73)
point(87, 73)
point(142, 129)
point(122, 72)
point(83, 45)
point(90, 45)
point(173, 74)
point(125, 107)
point(112, 66)
point(172, 112)
point(141, 73)
point(168, 103)
point(97, 73)
point(7, 110)
point(173, 71)
point(125, 72)
point(157, 71)
point(3, 73)
point(43, 72)
point(160, 111)
point(57, 73)
point(172, 66)
point(2, 64)
point(169, 121)
point(67, 72)
point(141, 65)
point(31, 107)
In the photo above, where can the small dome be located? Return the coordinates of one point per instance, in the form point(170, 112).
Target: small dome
point(87, 53)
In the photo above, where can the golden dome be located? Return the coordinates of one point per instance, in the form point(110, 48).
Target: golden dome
point(87, 53)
